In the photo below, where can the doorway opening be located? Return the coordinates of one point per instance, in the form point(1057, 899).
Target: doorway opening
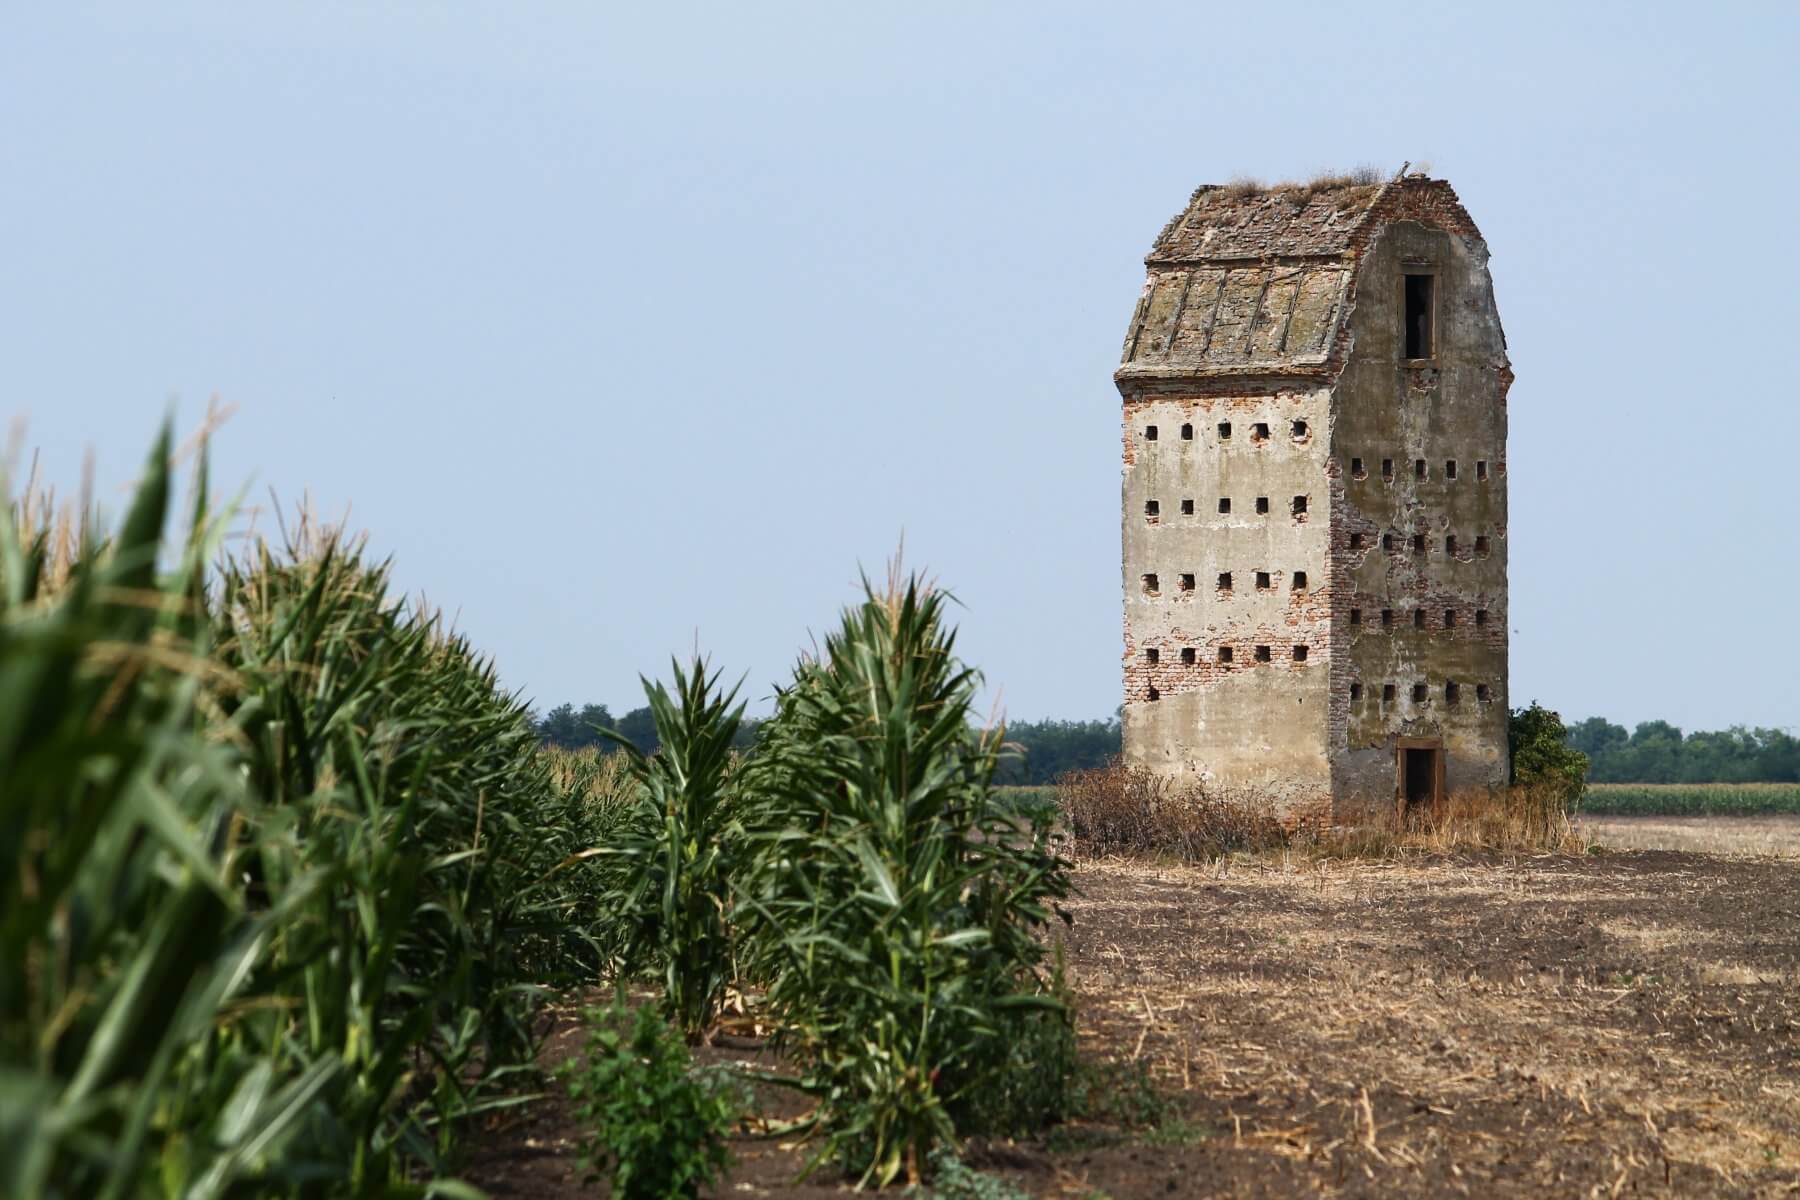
point(1419, 772)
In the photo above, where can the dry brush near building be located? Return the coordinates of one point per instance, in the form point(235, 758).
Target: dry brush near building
point(1314, 399)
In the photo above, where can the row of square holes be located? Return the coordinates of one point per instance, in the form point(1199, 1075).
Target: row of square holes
point(1153, 508)
point(1420, 692)
point(1259, 432)
point(1265, 582)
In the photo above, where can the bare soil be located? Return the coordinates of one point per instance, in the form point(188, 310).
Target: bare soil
point(1618, 1023)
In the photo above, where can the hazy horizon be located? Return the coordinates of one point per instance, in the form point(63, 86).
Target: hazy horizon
point(615, 328)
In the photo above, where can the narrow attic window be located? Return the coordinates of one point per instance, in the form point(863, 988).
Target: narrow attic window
point(1262, 504)
point(1420, 693)
point(1356, 469)
point(1387, 469)
point(1387, 693)
point(1299, 581)
point(1224, 431)
point(1355, 692)
point(1263, 583)
point(1187, 433)
point(1356, 616)
point(1225, 504)
point(1481, 468)
point(1299, 506)
point(1418, 316)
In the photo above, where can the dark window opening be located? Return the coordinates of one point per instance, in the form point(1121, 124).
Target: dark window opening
point(1299, 581)
point(1387, 618)
point(1259, 432)
point(1418, 316)
point(1187, 433)
point(1150, 585)
point(1299, 430)
point(1418, 543)
point(1224, 581)
point(1224, 431)
point(1355, 692)
point(1149, 433)
point(1224, 654)
point(1387, 541)
point(1151, 508)
point(1262, 654)
point(1187, 656)
point(1452, 693)
point(1419, 468)
point(1154, 694)
point(1187, 508)
point(1450, 544)
point(1299, 506)
point(1262, 580)
point(1387, 693)
point(1152, 655)
point(1187, 583)
point(1387, 469)
point(1262, 504)
point(1481, 616)
point(1450, 468)
point(1356, 541)
point(1356, 469)
point(1449, 618)
point(1418, 618)
point(1356, 616)
point(1481, 543)
point(1482, 695)
point(1419, 693)
point(1299, 653)
point(1224, 504)
point(1481, 469)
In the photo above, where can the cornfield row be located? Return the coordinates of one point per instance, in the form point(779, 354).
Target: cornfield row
point(1692, 799)
point(287, 874)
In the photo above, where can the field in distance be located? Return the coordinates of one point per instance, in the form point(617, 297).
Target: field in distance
point(1691, 799)
point(1771, 835)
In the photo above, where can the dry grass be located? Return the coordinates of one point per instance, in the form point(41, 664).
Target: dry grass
point(1746, 837)
point(1129, 811)
point(1244, 187)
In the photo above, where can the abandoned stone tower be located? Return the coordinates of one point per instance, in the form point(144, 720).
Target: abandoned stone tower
point(1314, 387)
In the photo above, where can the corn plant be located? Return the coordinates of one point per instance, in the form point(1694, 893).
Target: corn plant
point(284, 870)
point(893, 901)
point(673, 863)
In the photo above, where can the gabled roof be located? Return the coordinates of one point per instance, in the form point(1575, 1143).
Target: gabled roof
point(1232, 222)
point(1254, 281)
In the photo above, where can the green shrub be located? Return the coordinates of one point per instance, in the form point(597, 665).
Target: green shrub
point(894, 901)
point(953, 1179)
point(654, 1125)
point(1542, 759)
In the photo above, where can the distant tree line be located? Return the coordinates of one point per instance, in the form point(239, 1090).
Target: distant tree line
point(1658, 752)
point(574, 728)
point(1654, 752)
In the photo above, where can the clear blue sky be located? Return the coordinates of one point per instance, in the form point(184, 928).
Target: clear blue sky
point(615, 324)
